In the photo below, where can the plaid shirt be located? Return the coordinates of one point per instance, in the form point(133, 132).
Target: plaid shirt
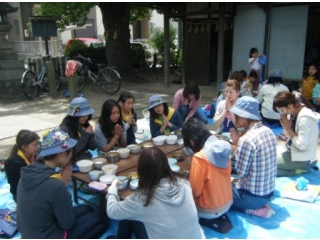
point(256, 161)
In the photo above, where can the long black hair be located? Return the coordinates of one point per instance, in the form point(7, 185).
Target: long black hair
point(107, 127)
point(73, 123)
point(24, 137)
point(317, 75)
point(124, 96)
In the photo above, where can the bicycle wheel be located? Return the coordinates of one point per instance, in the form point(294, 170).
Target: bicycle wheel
point(29, 86)
point(110, 80)
point(82, 78)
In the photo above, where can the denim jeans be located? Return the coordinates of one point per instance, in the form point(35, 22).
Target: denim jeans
point(243, 199)
point(127, 227)
point(88, 223)
point(184, 111)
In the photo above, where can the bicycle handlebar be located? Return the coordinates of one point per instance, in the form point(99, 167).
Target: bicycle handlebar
point(80, 57)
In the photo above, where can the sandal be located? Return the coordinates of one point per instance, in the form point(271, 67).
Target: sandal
point(221, 224)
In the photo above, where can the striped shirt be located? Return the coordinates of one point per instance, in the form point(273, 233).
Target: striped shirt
point(256, 161)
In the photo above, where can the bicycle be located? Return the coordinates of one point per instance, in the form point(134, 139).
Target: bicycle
point(107, 77)
point(31, 81)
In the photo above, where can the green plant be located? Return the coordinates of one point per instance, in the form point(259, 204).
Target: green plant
point(139, 55)
point(76, 47)
point(157, 39)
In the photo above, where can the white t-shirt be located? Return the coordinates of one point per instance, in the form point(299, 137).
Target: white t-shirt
point(265, 96)
point(255, 65)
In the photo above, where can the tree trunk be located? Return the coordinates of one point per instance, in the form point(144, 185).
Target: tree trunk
point(116, 17)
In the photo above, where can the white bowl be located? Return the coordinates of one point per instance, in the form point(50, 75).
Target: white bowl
point(171, 139)
point(85, 165)
point(159, 141)
point(94, 175)
point(110, 169)
point(172, 161)
point(134, 184)
point(124, 152)
point(107, 179)
point(175, 168)
point(134, 148)
point(180, 142)
point(123, 182)
point(99, 162)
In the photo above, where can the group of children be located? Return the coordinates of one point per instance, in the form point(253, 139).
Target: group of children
point(204, 196)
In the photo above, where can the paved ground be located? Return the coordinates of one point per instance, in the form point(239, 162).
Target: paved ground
point(45, 113)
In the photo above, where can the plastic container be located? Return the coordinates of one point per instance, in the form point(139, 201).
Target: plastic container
point(97, 185)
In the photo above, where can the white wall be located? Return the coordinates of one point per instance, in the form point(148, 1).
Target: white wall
point(249, 27)
point(287, 40)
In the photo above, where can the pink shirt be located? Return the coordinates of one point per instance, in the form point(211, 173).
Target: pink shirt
point(180, 100)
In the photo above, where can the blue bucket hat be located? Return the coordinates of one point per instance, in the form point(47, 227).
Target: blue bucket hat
point(79, 107)
point(217, 151)
point(275, 73)
point(262, 59)
point(155, 100)
point(247, 107)
point(56, 141)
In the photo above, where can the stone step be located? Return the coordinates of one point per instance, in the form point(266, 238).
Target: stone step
point(11, 74)
point(11, 64)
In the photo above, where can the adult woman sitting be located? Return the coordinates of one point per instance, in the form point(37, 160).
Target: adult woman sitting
point(209, 175)
point(223, 119)
point(265, 98)
point(161, 207)
point(256, 160)
point(186, 101)
point(163, 119)
point(301, 126)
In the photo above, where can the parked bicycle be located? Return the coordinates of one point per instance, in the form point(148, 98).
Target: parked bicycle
point(32, 82)
point(106, 77)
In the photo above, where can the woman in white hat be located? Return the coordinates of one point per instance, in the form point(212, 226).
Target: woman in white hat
point(77, 125)
point(256, 160)
point(163, 119)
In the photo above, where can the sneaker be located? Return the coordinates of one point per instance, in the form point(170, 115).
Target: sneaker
point(283, 137)
point(264, 212)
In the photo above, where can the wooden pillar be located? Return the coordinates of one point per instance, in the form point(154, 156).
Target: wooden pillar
point(166, 46)
point(220, 45)
point(73, 86)
point(51, 79)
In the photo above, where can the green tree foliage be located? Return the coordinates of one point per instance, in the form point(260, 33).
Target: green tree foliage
point(156, 41)
point(116, 17)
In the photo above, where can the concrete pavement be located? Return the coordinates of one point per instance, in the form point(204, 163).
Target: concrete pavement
point(45, 113)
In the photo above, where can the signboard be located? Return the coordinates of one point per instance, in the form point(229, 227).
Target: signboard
point(43, 27)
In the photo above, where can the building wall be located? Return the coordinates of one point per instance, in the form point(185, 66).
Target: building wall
point(249, 27)
point(16, 33)
point(288, 40)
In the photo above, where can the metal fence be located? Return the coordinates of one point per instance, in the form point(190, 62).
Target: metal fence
point(26, 49)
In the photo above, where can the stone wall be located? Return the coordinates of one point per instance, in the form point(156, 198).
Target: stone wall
point(11, 71)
